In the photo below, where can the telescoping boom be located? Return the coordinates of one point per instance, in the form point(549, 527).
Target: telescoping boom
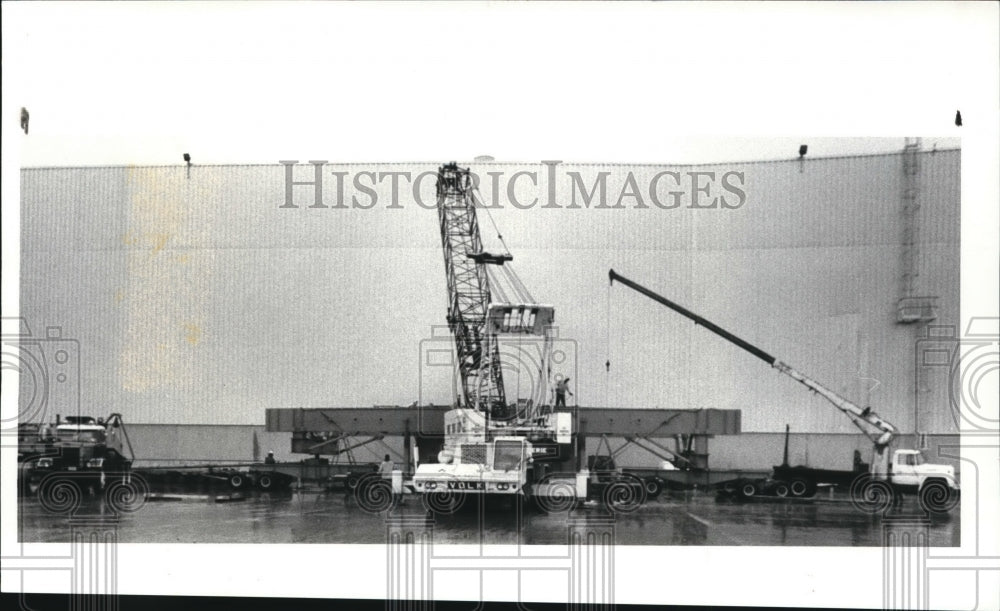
point(857, 414)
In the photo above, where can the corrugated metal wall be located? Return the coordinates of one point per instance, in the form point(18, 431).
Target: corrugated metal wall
point(200, 300)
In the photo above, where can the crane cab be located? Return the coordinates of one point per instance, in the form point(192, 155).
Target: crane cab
point(489, 467)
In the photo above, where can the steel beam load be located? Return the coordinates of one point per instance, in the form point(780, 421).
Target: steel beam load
point(426, 420)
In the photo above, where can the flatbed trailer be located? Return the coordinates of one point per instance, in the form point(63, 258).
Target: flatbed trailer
point(254, 475)
point(330, 475)
point(699, 479)
point(803, 481)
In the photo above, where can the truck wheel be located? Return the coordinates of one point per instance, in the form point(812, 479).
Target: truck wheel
point(781, 489)
point(24, 479)
point(127, 494)
point(935, 496)
point(265, 482)
point(443, 502)
point(748, 490)
point(59, 494)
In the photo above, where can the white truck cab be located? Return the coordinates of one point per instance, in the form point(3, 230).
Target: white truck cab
point(910, 470)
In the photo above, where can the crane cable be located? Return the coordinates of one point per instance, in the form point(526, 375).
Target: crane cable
point(520, 290)
point(496, 285)
point(515, 283)
point(517, 287)
point(477, 200)
point(607, 346)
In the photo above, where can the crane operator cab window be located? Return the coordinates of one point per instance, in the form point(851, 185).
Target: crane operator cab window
point(508, 455)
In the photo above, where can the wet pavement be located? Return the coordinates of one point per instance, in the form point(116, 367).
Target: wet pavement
point(335, 517)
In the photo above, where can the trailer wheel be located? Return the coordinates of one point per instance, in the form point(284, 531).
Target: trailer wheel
point(781, 489)
point(799, 487)
point(624, 496)
point(265, 482)
point(653, 487)
point(558, 497)
point(352, 481)
point(748, 489)
point(236, 481)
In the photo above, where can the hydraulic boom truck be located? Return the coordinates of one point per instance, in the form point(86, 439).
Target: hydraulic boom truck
point(876, 486)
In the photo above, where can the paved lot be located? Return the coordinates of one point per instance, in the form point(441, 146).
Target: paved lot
point(317, 517)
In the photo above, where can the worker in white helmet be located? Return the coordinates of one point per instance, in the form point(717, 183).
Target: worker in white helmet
point(562, 387)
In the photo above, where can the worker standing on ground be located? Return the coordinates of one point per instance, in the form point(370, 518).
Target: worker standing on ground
point(385, 469)
point(562, 387)
point(270, 458)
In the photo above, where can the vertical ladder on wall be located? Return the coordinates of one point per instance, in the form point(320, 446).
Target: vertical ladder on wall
point(911, 205)
point(912, 307)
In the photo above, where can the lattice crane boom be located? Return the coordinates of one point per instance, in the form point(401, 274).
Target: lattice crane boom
point(469, 296)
